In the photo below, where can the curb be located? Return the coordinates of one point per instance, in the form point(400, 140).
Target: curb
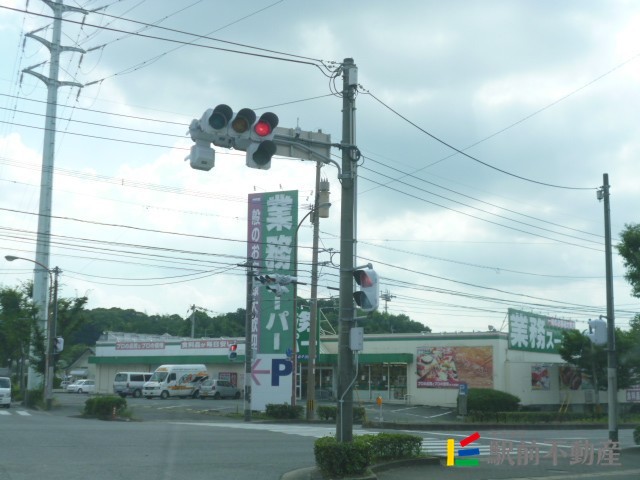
point(313, 473)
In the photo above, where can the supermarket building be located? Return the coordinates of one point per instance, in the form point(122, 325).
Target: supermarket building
point(424, 369)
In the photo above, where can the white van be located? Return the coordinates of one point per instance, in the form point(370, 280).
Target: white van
point(5, 392)
point(130, 383)
point(175, 381)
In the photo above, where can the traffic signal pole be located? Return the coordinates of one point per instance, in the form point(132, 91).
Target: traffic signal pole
point(344, 417)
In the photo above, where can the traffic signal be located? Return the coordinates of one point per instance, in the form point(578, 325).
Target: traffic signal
point(598, 332)
point(262, 146)
point(233, 351)
point(241, 131)
point(367, 298)
point(215, 122)
point(58, 344)
point(277, 283)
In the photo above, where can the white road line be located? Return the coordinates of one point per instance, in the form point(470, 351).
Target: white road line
point(24, 413)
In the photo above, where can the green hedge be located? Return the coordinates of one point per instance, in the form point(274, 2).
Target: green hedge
point(339, 459)
point(489, 400)
point(336, 459)
point(393, 446)
point(103, 407)
point(530, 417)
point(327, 412)
point(284, 411)
point(636, 435)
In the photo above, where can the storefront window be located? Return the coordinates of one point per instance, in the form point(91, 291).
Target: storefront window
point(382, 379)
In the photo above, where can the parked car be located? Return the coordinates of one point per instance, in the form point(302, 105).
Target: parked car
point(130, 383)
point(217, 389)
point(82, 386)
point(5, 392)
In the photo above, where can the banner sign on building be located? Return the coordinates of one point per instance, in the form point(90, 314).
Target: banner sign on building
point(303, 327)
point(536, 333)
point(448, 367)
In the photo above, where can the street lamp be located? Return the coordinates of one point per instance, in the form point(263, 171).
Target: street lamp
point(51, 328)
point(312, 337)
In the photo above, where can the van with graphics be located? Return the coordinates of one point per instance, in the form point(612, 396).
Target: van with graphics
point(130, 383)
point(175, 381)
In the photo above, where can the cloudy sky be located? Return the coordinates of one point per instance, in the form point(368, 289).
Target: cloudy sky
point(541, 96)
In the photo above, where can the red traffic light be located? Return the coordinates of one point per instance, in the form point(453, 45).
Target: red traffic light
point(233, 347)
point(267, 123)
point(363, 279)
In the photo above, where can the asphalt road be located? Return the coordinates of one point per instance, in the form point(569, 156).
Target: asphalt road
point(189, 437)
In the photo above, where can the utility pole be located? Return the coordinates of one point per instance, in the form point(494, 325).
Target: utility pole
point(41, 275)
point(322, 190)
point(344, 417)
point(248, 349)
point(386, 296)
point(51, 334)
point(193, 321)
point(612, 362)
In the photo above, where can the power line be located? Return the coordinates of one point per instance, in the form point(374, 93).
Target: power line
point(469, 156)
point(210, 47)
point(480, 218)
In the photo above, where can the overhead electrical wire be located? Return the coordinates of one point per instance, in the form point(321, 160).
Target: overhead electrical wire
point(411, 175)
point(480, 218)
point(295, 59)
point(462, 152)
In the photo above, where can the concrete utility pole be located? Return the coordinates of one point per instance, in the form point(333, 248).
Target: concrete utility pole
point(322, 190)
point(344, 418)
point(41, 275)
point(248, 349)
point(612, 362)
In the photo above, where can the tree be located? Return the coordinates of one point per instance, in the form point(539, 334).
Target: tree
point(576, 349)
point(17, 327)
point(629, 250)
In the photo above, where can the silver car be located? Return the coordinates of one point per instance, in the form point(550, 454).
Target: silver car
point(217, 389)
point(82, 386)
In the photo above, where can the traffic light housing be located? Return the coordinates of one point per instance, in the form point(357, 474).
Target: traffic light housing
point(368, 295)
point(262, 146)
point(277, 283)
point(233, 351)
point(58, 345)
point(598, 332)
point(240, 131)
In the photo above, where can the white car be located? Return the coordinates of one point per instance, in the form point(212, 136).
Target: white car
point(5, 392)
point(82, 386)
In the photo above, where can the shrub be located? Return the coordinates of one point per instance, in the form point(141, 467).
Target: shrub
point(339, 459)
point(34, 398)
point(104, 407)
point(327, 412)
point(531, 417)
point(336, 459)
point(393, 446)
point(636, 435)
point(283, 411)
point(488, 400)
